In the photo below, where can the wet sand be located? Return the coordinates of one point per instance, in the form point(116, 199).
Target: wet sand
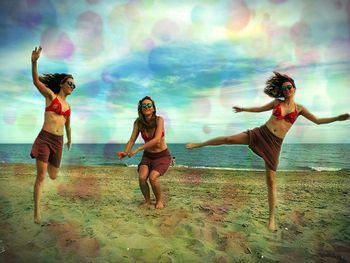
point(95, 214)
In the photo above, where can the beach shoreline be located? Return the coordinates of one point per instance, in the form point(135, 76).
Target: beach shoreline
point(94, 214)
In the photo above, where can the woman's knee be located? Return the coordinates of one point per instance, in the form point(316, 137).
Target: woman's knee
point(143, 178)
point(40, 177)
point(53, 172)
point(228, 140)
point(143, 172)
point(143, 175)
point(41, 168)
point(53, 175)
point(153, 177)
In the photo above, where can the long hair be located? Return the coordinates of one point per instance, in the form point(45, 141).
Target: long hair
point(142, 123)
point(274, 84)
point(53, 81)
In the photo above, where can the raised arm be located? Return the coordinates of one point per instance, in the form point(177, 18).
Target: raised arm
point(157, 137)
point(311, 117)
point(46, 92)
point(266, 107)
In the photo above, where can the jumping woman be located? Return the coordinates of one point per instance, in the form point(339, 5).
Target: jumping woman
point(266, 141)
point(48, 146)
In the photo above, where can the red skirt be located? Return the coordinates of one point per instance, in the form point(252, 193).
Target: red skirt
point(265, 144)
point(48, 148)
point(159, 162)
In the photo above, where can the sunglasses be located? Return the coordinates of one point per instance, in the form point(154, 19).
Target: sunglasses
point(70, 84)
point(287, 87)
point(144, 105)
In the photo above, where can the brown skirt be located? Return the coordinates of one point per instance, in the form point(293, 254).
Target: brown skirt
point(159, 162)
point(265, 144)
point(48, 148)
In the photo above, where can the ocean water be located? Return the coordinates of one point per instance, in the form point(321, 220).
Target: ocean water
point(320, 157)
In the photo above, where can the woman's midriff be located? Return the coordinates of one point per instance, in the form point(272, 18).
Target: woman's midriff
point(158, 148)
point(54, 123)
point(278, 128)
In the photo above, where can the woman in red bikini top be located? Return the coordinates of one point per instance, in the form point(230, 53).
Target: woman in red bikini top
point(48, 146)
point(285, 111)
point(55, 88)
point(156, 157)
point(266, 141)
point(151, 128)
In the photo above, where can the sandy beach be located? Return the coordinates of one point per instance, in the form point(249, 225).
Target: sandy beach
point(95, 214)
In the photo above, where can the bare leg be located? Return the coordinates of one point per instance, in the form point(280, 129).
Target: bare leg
point(41, 169)
point(241, 138)
point(53, 171)
point(272, 197)
point(153, 178)
point(143, 175)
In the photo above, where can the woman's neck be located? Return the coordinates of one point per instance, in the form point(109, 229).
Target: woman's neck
point(62, 95)
point(289, 101)
point(148, 118)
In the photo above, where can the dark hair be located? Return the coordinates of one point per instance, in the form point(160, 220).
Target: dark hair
point(53, 81)
point(142, 123)
point(274, 84)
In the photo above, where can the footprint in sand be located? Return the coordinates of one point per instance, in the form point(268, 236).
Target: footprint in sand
point(298, 218)
point(170, 222)
point(82, 188)
point(192, 178)
point(234, 242)
point(215, 213)
point(290, 230)
point(70, 240)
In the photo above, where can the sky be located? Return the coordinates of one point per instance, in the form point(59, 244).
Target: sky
point(196, 59)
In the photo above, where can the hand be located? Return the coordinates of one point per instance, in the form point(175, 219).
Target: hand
point(36, 54)
point(343, 117)
point(190, 146)
point(121, 155)
point(237, 109)
point(69, 145)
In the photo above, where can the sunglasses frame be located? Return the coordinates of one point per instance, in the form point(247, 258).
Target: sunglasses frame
point(289, 87)
point(146, 105)
point(70, 84)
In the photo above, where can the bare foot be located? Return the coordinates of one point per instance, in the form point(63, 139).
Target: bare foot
point(159, 205)
point(272, 226)
point(191, 145)
point(37, 219)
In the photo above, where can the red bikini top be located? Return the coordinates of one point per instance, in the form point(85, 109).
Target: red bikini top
point(146, 138)
point(290, 117)
point(56, 107)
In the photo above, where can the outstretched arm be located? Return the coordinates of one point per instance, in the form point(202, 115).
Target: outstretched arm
point(154, 141)
point(130, 143)
point(46, 92)
point(311, 117)
point(265, 107)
